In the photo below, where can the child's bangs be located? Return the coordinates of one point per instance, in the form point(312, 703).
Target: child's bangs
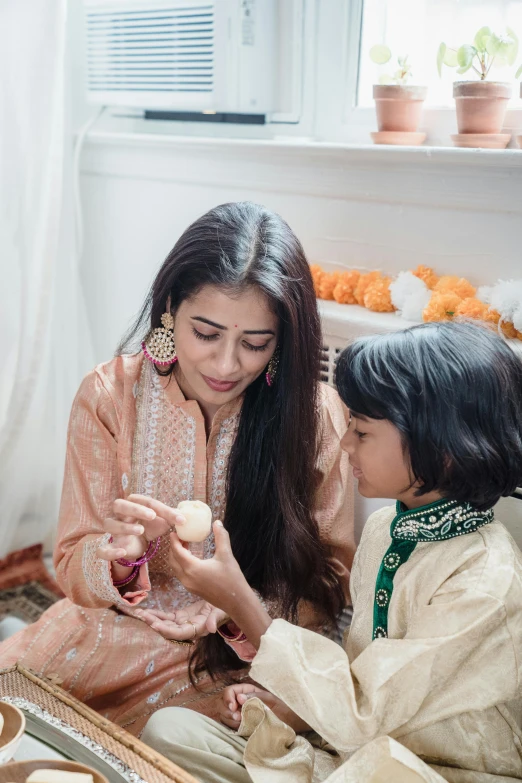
point(360, 384)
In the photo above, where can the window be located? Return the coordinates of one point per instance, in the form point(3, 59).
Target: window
point(416, 28)
point(325, 75)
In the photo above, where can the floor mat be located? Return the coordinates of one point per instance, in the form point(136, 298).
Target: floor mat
point(27, 602)
point(26, 587)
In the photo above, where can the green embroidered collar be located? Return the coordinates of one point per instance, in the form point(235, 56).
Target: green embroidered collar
point(438, 521)
point(428, 524)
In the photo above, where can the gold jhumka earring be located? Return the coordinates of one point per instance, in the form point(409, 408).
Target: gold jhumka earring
point(159, 346)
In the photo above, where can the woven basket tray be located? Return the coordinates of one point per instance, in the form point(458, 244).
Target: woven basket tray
point(134, 760)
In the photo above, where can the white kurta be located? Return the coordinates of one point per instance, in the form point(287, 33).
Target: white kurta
point(445, 684)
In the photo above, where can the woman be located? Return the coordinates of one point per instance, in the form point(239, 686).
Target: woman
point(222, 405)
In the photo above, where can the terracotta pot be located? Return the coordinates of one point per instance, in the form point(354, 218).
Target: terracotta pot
point(481, 106)
point(398, 106)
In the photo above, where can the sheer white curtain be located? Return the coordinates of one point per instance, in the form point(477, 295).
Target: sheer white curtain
point(42, 326)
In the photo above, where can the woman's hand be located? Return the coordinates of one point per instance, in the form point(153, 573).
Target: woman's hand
point(134, 524)
point(235, 696)
point(218, 580)
point(193, 622)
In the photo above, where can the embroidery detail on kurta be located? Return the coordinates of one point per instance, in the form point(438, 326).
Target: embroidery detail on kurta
point(398, 553)
point(97, 572)
point(164, 446)
point(92, 652)
point(43, 629)
point(163, 465)
point(439, 521)
point(224, 440)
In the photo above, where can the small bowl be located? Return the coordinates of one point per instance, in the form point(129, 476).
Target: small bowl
point(19, 771)
point(12, 732)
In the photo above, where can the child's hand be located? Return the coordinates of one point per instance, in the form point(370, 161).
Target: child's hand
point(235, 696)
point(230, 708)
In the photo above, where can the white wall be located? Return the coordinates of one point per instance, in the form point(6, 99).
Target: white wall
point(457, 210)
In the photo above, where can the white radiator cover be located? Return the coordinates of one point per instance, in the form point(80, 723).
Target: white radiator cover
point(342, 324)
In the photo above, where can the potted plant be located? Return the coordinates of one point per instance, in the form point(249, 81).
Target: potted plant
point(481, 104)
point(398, 104)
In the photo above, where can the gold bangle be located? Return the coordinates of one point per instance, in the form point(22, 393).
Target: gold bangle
point(187, 643)
point(181, 643)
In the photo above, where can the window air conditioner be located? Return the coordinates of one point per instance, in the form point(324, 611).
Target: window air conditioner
point(183, 55)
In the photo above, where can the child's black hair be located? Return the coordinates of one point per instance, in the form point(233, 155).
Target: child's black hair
point(454, 391)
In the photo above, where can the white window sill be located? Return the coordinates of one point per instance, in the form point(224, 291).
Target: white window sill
point(292, 148)
point(438, 122)
point(345, 323)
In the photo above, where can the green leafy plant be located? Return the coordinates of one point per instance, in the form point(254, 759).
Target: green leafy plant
point(487, 49)
point(381, 54)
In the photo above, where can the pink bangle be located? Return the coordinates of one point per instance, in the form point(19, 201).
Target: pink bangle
point(154, 546)
point(121, 582)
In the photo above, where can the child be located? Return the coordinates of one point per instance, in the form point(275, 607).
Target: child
point(428, 684)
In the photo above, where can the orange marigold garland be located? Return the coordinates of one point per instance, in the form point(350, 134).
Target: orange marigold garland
point(378, 296)
point(362, 285)
point(326, 284)
point(457, 285)
point(493, 316)
point(317, 274)
point(427, 275)
point(471, 308)
point(450, 296)
point(442, 306)
point(344, 291)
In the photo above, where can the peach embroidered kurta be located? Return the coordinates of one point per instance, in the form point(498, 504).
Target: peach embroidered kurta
point(129, 434)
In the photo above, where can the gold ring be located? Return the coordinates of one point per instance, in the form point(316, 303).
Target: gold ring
point(195, 629)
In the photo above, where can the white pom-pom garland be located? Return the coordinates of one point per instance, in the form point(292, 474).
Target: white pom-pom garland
point(506, 297)
point(484, 293)
point(415, 305)
point(410, 295)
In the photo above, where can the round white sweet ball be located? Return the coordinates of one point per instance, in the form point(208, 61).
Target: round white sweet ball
point(198, 521)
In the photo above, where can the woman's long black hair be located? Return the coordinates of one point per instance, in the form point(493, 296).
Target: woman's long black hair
point(272, 480)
